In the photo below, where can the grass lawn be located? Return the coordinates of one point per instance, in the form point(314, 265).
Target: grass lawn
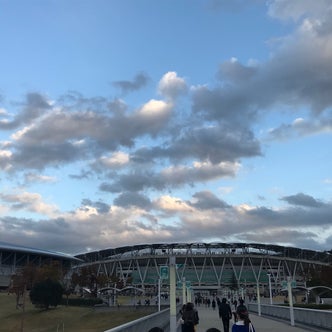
point(74, 319)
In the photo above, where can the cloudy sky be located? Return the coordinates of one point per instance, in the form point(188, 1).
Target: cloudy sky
point(141, 121)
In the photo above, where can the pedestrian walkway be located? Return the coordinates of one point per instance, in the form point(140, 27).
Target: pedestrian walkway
point(210, 318)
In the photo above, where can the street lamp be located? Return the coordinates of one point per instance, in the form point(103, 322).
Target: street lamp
point(258, 299)
point(270, 288)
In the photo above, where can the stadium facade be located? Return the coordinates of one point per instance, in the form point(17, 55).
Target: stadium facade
point(209, 267)
point(14, 257)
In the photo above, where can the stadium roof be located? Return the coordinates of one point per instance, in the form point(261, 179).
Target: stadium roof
point(236, 248)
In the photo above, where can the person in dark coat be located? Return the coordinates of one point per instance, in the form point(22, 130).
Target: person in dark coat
point(214, 304)
point(182, 310)
point(190, 318)
point(241, 307)
point(225, 313)
point(243, 323)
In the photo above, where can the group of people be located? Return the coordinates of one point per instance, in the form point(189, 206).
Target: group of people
point(189, 318)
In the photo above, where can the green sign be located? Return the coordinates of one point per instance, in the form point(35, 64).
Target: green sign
point(164, 272)
point(284, 284)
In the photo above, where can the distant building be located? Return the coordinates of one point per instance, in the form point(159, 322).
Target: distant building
point(14, 257)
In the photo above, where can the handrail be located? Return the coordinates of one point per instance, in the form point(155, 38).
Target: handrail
point(160, 319)
point(321, 319)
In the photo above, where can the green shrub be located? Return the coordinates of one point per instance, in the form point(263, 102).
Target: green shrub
point(46, 293)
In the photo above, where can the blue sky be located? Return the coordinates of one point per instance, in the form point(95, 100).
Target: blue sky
point(139, 121)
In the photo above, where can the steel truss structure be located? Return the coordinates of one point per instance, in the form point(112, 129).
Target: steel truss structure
point(209, 265)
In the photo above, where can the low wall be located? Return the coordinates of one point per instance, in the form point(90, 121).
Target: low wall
point(160, 319)
point(310, 317)
point(326, 300)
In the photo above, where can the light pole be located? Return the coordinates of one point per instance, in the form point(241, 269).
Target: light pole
point(258, 299)
point(270, 288)
point(159, 282)
point(172, 291)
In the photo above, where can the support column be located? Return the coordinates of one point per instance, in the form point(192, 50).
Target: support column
point(184, 298)
point(172, 288)
point(290, 300)
point(259, 300)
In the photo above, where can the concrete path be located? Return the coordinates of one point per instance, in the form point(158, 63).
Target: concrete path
point(210, 318)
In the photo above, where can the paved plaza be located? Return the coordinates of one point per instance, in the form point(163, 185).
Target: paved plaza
point(210, 318)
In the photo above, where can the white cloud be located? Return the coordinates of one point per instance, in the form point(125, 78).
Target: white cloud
point(34, 177)
point(3, 111)
point(31, 202)
point(20, 133)
point(116, 160)
point(154, 108)
point(295, 9)
point(171, 86)
point(174, 204)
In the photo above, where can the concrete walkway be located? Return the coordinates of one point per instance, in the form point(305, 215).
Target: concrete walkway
point(210, 318)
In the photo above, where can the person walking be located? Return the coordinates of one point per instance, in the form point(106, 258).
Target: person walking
point(243, 323)
point(181, 321)
point(214, 304)
point(241, 306)
point(234, 310)
point(190, 318)
point(225, 313)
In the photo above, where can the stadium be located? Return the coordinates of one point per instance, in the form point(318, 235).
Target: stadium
point(210, 267)
point(14, 257)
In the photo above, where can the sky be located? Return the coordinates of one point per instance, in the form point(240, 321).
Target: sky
point(126, 122)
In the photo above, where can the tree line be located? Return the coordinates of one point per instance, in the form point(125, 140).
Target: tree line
point(47, 284)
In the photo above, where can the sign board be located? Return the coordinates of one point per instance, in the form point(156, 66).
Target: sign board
point(164, 272)
point(179, 284)
point(284, 284)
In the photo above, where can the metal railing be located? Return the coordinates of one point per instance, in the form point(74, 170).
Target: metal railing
point(321, 319)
